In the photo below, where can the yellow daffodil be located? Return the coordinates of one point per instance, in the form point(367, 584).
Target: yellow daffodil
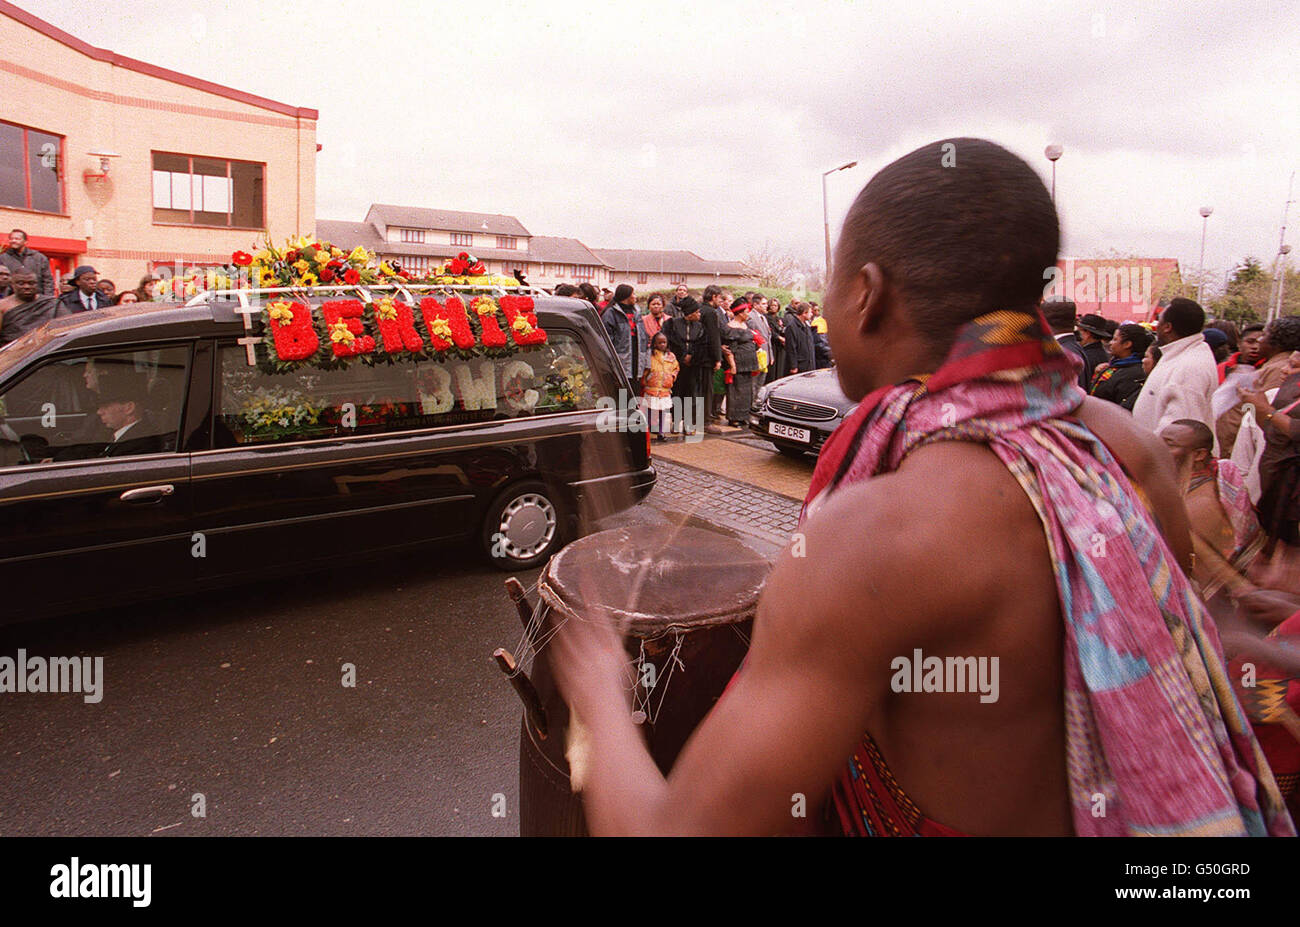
point(280, 312)
point(339, 332)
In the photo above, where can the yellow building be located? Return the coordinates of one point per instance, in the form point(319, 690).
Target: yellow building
point(113, 162)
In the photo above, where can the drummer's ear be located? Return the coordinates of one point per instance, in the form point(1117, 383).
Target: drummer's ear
point(869, 298)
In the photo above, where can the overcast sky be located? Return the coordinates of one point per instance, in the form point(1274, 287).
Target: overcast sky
point(707, 125)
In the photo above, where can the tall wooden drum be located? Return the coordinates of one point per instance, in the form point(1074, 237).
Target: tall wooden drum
point(686, 599)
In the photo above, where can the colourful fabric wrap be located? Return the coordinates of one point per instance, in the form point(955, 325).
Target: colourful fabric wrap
point(1273, 705)
point(1151, 720)
point(1235, 500)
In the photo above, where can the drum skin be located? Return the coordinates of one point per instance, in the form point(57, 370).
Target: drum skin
point(692, 586)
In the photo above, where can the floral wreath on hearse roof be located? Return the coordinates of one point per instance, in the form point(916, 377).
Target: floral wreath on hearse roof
point(365, 326)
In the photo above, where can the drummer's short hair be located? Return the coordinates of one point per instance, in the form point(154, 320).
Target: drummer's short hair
point(1202, 436)
point(961, 227)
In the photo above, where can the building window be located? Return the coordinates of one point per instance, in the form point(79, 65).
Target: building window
point(507, 242)
point(413, 236)
point(675, 278)
point(462, 238)
point(31, 162)
point(413, 263)
point(640, 278)
point(582, 272)
point(190, 190)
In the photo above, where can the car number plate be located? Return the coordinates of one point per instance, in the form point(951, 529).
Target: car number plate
point(789, 431)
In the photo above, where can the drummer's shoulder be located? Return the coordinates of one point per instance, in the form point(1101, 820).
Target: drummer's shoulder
point(944, 532)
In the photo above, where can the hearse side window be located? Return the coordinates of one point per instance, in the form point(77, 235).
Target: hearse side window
point(102, 405)
point(260, 406)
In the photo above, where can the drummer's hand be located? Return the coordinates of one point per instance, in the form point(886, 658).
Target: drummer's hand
point(589, 662)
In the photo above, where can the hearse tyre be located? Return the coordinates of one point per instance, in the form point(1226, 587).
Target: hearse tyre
point(525, 525)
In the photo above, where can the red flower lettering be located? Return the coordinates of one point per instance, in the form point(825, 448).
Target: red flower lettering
point(453, 315)
point(521, 307)
point(296, 340)
point(398, 334)
point(489, 322)
point(347, 311)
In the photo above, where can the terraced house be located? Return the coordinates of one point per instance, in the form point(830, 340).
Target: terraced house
point(421, 239)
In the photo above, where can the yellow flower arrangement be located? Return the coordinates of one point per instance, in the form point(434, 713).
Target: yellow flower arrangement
point(386, 310)
point(341, 334)
point(440, 328)
point(280, 312)
point(521, 325)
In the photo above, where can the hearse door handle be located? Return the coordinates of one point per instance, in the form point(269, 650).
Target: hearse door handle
point(147, 494)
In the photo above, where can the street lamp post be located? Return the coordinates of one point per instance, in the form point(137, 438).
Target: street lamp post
point(1281, 279)
point(826, 216)
point(1054, 153)
point(1200, 274)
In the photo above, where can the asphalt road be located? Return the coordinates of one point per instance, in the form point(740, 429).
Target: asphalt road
point(239, 697)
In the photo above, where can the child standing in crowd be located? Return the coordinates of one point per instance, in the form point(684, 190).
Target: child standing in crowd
point(657, 386)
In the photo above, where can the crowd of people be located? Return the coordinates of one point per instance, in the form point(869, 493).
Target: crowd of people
point(713, 352)
point(28, 297)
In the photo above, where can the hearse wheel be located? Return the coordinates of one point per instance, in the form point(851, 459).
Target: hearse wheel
point(524, 526)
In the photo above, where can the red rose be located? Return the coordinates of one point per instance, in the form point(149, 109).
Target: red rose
point(317, 246)
point(351, 275)
point(457, 267)
point(241, 259)
point(463, 257)
point(291, 257)
point(477, 269)
point(326, 275)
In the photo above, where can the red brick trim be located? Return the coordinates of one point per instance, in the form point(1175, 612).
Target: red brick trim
point(182, 256)
point(175, 77)
point(145, 102)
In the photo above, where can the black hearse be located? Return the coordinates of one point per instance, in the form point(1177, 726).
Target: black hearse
point(151, 448)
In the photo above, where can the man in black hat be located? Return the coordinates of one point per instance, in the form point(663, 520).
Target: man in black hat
point(84, 295)
point(1093, 336)
point(122, 408)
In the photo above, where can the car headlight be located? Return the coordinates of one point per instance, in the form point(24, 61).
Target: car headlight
point(763, 392)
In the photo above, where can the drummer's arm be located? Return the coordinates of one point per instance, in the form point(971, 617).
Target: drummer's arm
point(819, 661)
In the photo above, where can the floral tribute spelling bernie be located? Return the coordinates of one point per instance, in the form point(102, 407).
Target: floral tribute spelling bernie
point(339, 330)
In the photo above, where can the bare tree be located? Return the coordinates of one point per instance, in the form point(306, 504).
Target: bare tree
point(767, 267)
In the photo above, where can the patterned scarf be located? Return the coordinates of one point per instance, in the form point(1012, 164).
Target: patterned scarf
point(1152, 724)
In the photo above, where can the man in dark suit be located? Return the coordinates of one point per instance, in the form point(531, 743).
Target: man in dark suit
point(1062, 316)
point(84, 295)
point(122, 398)
point(1093, 336)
